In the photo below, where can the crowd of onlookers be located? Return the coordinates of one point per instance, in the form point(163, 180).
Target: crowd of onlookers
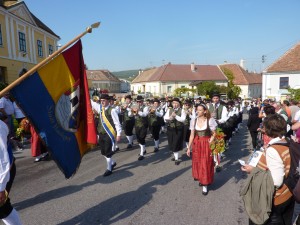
point(272, 125)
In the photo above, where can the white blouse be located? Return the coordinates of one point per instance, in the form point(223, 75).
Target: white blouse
point(212, 124)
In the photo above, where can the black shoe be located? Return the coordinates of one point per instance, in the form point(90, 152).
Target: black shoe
point(200, 184)
point(177, 162)
point(195, 179)
point(117, 149)
point(218, 169)
point(173, 159)
point(113, 166)
point(155, 149)
point(141, 157)
point(204, 193)
point(129, 146)
point(107, 173)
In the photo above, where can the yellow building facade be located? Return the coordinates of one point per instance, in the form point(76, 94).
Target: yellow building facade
point(24, 40)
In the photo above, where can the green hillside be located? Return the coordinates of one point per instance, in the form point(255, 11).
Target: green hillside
point(126, 74)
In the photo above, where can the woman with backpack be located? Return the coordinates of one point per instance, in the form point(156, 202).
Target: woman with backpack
point(276, 158)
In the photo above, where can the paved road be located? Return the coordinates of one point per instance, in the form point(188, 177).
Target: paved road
point(152, 191)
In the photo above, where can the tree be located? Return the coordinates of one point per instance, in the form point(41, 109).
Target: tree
point(183, 90)
point(233, 91)
point(295, 93)
point(207, 88)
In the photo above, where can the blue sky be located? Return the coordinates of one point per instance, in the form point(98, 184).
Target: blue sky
point(136, 34)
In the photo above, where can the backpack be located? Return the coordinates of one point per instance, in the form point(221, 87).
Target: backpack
point(294, 150)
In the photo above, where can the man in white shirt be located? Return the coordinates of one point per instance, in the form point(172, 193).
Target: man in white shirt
point(107, 137)
point(7, 213)
point(7, 108)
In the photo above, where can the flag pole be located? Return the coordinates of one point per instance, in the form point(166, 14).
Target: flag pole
point(50, 57)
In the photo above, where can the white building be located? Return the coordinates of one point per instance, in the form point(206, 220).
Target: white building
point(250, 83)
point(165, 79)
point(103, 80)
point(283, 73)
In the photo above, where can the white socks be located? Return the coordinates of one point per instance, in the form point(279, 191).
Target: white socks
point(142, 149)
point(12, 219)
point(130, 139)
point(204, 188)
point(109, 163)
point(156, 143)
point(176, 155)
point(187, 144)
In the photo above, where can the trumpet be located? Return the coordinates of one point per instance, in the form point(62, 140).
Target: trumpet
point(152, 109)
point(135, 108)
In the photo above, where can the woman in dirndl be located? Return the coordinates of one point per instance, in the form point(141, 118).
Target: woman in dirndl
point(202, 134)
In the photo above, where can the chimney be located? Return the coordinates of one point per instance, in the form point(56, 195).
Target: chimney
point(193, 67)
point(8, 3)
point(242, 64)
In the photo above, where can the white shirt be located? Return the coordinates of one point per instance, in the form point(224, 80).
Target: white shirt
point(18, 112)
point(7, 105)
point(211, 123)
point(178, 118)
point(297, 116)
point(4, 158)
point(224, 115)
point(275, 163)
point(114, 115)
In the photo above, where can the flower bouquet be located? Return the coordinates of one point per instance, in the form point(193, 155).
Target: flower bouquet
point(218, 144)
point(23, 128)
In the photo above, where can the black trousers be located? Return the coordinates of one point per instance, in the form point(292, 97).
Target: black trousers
point(175, 138)
point(105, 145)
point(254, 138)
point(186, 133)
point(141, 133)
point(155, 132)
point(128, 127)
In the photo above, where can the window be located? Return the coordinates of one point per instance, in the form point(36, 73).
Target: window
point(1, 42)
point(40, 48)
point(283, 83)
point(22, 42)
point(169, 89)
point(50, 49)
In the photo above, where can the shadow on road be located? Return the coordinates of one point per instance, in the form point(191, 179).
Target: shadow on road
point(124, 205)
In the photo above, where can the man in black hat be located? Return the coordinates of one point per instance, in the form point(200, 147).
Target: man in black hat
point(175, 118)
point(190, 113)
point(109, 130)
point(164, 106)
point(220, 114)
point(155, 118)
point(128, 119)
point(141, 125)
point(218, 111)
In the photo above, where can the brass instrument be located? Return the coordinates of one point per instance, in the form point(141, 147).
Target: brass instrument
point(135, 108)
point(152, 109)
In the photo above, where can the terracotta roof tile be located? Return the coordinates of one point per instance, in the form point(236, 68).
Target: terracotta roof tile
point(144, 76)
point(175, 72)
point(101, 75)
point(288, 62)
point(241, 76)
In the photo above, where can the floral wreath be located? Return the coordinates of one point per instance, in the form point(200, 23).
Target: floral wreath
point(218, 144)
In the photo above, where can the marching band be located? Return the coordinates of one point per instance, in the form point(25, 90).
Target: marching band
point(140, 117)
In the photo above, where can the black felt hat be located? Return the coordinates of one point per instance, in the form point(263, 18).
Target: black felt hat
point(139, 98)
point(104, 96)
